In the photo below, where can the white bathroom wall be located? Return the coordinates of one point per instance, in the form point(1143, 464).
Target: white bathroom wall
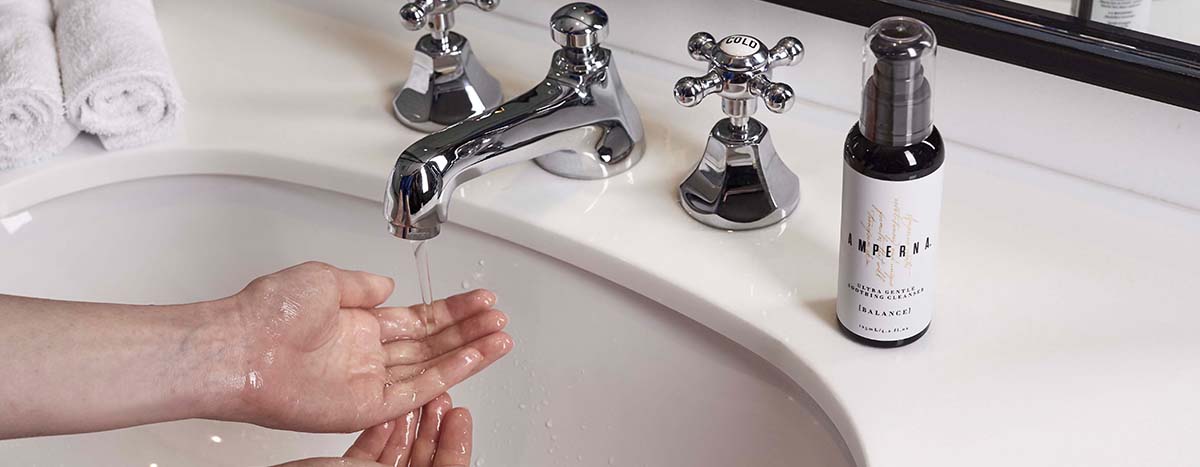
point(1092, 132)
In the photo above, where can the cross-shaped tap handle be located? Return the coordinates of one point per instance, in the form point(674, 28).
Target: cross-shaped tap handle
point(437, 14)
point(739, 68)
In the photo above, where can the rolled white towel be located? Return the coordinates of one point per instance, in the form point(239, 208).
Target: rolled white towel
point(32, 126)
point(117, 79)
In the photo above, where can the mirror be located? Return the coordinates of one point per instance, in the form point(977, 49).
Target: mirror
point(1149, 48)
point(1171, 19)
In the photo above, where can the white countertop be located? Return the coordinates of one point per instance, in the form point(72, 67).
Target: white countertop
point(1065, 332)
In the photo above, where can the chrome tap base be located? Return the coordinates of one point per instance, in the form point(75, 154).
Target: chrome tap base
point(740, 182)
point(447, 85)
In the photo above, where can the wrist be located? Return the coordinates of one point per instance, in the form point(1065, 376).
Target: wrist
point(215, 347)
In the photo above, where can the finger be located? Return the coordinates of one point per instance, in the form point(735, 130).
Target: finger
point(492, 347)
point(415, 351)
point(427, 434)
point(441, 377)
point(330, 462)
point(421, 321)
point(399, 446)
point(473, 301)
point(362, 289)
point(371, 442)
point(454, 442)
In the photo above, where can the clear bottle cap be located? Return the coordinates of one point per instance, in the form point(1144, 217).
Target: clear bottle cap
point(898, 66)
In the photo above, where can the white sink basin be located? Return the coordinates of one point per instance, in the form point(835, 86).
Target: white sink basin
point(600, 375)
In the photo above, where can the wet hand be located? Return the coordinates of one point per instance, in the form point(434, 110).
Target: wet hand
point(441, 438)
point(318, 355)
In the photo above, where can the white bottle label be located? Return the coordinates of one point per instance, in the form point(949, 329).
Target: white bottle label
point(1129, 14)
point(888, 254)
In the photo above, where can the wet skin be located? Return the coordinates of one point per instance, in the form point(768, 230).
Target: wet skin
point(308, 349)
point(441, 438)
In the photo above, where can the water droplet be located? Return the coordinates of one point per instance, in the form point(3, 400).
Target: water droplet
point(465, 285)
point(481, 262)
point(545, 402)
point(255, 380)
point(551, 450)
point(579, 458)
point(215, 439)
point(523, 406)
point(553, 437)
point(612, 460)
point(583, 427)
point(549, 423)
point(479, 462)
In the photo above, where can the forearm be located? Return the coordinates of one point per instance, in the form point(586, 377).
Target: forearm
point(71, 367)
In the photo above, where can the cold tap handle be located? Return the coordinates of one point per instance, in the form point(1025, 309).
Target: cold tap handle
point(778, 97)
point(739, 69)
point(701, 46)
point(788, 51)
point(689, 91)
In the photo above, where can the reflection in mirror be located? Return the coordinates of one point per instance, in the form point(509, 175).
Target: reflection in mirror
point(1148, 48)
point(1172, 19)
point(1065, 7)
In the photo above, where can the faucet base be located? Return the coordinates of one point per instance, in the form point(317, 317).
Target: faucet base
point(447, 85)
point(740, 182)
point(600, 152)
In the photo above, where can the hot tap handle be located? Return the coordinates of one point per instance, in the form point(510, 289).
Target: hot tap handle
point(437, 14)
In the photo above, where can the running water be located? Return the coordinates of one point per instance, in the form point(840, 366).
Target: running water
point(421, 256)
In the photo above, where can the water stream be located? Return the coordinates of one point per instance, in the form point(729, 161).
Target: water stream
point(421, 256)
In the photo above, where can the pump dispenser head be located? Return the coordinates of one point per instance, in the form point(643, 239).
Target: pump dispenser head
point(898, 66)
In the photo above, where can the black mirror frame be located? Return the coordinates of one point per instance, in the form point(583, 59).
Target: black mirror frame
point(1141, 64)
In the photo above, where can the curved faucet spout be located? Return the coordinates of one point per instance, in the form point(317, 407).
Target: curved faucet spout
point(578, 123)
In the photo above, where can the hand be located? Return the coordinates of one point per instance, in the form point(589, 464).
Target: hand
point(320, 357)
point(442, 439)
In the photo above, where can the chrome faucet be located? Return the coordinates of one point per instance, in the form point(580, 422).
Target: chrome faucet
point(577, 123)
point(740, 182)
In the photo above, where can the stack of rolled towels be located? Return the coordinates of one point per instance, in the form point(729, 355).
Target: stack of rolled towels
point(32, 122)
point(98, 66)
